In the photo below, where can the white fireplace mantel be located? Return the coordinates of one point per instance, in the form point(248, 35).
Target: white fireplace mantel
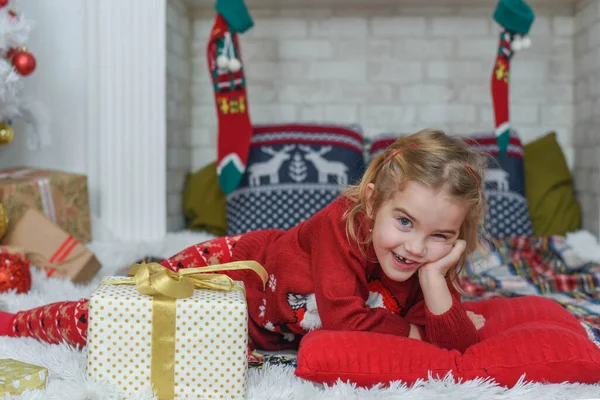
point(126, 141)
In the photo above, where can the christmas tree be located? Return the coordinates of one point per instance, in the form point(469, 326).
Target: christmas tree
point(16, 63)
point(297, 168)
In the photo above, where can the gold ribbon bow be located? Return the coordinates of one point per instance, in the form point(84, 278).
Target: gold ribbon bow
point(165, 287)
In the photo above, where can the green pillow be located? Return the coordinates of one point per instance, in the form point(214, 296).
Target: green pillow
point(204, 202)
point(549, 188)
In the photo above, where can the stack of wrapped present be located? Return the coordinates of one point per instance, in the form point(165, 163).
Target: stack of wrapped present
point(47, 215)
point(185, 333)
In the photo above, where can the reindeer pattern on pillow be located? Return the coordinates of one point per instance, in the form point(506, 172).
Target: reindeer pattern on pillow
point(293, 172)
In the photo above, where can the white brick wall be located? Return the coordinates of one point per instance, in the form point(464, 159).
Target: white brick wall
point(394, 73)
point(179, 119)
point(586, 136)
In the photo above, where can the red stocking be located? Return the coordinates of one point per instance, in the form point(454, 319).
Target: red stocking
point(229, 85)
point(508, 43)
point(500, 85)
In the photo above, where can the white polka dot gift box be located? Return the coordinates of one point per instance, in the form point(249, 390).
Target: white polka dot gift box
point(186, 333)
point(16, 377)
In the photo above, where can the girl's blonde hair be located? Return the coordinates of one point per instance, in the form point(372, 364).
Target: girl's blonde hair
point(434, 159)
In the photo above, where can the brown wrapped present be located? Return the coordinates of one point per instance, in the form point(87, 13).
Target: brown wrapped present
point(61, 196)
point(47, 246)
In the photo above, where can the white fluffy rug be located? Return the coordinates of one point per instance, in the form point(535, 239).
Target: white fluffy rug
point(66, 365)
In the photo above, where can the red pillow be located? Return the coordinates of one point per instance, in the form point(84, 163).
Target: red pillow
point(526, 335)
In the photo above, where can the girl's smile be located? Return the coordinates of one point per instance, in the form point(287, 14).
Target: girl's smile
point(405, 263)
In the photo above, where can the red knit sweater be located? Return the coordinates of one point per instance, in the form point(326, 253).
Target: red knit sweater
point(318, 279)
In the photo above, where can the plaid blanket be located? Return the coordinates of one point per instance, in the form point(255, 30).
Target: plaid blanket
point(542, 266)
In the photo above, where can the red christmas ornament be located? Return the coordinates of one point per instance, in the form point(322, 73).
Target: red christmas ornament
point(3, 3)
point(14, 273)
point(24, 62)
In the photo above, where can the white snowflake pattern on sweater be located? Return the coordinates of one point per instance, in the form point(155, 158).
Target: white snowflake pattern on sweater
point(262, 308)
point(272, 283)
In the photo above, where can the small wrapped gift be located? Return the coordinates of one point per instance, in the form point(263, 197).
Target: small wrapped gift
point(185, 333)
point(62, 196)
point(17, 377)
point(48, 247)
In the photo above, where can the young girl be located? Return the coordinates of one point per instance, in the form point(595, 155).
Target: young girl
point(384, 257)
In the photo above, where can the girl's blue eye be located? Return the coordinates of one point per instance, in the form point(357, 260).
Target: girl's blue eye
point(405, 222)
point(439, 235)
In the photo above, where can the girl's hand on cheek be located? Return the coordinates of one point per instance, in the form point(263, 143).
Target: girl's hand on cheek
point(441, 266)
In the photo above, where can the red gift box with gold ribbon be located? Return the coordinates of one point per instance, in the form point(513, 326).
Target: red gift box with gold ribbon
point(49, 247)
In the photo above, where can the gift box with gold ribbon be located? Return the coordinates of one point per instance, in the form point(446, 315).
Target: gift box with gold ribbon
point(16, 377)
point(185, 333)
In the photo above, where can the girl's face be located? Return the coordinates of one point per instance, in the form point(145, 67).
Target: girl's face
point(417, 226)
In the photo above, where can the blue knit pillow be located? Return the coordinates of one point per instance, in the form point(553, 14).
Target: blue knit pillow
point(508, 210)
point(294, 170)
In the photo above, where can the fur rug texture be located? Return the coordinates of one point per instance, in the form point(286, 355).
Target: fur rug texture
point(66, 365)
